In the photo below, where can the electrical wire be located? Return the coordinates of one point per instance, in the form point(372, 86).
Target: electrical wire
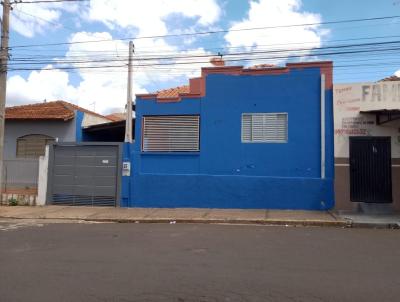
point(205, 62)
point(151, 60)
point(209, 32)
point(363, 47)
point(45, 1)
point(45, 20)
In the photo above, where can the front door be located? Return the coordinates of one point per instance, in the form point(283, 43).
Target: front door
point(370, 169)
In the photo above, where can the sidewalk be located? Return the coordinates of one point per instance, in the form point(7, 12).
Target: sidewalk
point(230, 216)
point(373, 220)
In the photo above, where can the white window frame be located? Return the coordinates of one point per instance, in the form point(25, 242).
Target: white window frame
point(178, 144)
point(263, 141)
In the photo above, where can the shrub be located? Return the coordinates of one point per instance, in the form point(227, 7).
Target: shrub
point(12, 202)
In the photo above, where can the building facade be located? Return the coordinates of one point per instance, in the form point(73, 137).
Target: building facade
point(367, 145)
point(29, 128)
point(236, 138)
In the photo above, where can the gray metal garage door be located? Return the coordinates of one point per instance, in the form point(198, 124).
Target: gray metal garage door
point(85, 175)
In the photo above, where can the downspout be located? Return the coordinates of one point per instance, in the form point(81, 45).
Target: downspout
point(322, 126)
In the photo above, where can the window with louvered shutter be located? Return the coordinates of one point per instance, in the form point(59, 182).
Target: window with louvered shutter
point(264, 127)
point(33, 145)
point(172, 133)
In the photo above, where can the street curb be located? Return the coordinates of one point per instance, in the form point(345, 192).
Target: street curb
point(304, 223)
point(343, 223)
point(373, 225)
point(227, 221)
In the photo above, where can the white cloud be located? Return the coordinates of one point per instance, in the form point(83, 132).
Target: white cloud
point(100, 83)
point(104, 86)
point(149, 16)
point(107, 85)
point(29, 20)
point(269, 13)
point(27, 24)
point(40, 85)
point(103, 74)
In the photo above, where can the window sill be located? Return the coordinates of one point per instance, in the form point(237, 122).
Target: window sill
point(264, 142)
point(171, 153)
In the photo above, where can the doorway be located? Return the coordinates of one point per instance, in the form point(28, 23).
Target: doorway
point(370, 169)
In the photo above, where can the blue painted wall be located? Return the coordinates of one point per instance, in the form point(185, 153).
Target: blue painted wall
point(126, 180)
point(79, 115)
point(227, 173)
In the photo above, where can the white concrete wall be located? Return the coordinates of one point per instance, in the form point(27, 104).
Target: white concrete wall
point(381, 95)
point(63, 131)
point(89, 120)
point(350, 99)
point(42, 178)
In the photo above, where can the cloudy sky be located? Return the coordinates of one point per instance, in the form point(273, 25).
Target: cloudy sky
point(77, 51)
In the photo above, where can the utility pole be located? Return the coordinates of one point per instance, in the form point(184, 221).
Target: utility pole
point(129, 103)
point(3, 78)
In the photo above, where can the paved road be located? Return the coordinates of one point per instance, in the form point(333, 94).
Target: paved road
point(185, 263)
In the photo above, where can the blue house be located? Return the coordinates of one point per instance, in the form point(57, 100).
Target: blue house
point(236, 138)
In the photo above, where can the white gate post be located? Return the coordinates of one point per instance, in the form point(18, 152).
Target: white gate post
point(42, 178)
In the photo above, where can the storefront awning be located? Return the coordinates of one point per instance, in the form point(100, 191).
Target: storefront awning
point(384, 116)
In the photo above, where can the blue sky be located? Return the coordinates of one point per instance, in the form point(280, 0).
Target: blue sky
point(93, 75)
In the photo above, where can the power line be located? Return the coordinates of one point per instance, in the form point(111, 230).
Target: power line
point(207, 32)
point(363, 47)
point(111, 53)
point(166, 71)
point(45, 1)
point(43, 19)
point(205, 62)
point(85, 53)
point(345, 72)
point(22, 61)
point(171, 66)
point(240, 59)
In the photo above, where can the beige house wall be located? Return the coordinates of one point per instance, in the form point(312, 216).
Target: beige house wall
point(349, 120)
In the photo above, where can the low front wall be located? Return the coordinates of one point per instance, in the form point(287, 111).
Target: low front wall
point(219, 191)
point(342, 185)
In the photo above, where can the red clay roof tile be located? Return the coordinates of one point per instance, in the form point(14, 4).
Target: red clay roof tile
point(176, 92)
point(261, 66)
point(391, 78)
point(57, 110)
point(173, 92)
point(116, 117)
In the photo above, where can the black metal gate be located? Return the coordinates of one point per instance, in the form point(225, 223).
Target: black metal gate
point(370, 169)
point(84, 174)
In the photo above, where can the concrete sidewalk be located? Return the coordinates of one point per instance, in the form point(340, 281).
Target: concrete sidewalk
point(232, 216)
point(360, 219)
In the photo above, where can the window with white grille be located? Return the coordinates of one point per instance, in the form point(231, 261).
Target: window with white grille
point(264, 127)
point(171, 133)
point(32, 145)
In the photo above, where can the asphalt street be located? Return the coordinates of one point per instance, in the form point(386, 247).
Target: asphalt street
point(182, 263)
